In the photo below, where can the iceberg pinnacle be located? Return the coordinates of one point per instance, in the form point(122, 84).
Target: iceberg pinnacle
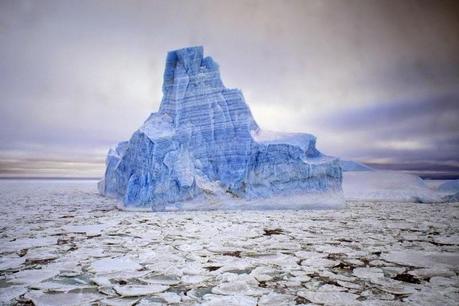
point(204, 150)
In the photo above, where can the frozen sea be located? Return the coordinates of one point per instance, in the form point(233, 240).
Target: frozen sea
point(62, 243)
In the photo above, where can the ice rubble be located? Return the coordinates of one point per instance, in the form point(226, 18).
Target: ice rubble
point(204, 150)
point(333, 257)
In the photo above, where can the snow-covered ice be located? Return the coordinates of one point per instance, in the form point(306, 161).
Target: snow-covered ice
point(350, 165)
point(387, 186)
point(450, 187)
point(383, 253)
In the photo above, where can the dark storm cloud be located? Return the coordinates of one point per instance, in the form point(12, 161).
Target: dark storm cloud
point(416, 135)
point(374, 80)
point(423, 115)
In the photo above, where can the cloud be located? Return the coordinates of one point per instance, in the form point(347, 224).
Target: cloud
point(426, 115)
point(422, 131)
point(370, 78)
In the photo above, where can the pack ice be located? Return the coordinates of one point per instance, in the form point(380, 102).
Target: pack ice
point(203, 150)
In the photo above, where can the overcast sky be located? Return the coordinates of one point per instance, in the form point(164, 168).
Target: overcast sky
point(375, 81)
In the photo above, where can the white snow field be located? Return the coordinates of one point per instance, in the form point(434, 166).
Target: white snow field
point(62, 244)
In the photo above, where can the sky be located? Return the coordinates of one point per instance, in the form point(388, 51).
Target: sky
point(375, 81)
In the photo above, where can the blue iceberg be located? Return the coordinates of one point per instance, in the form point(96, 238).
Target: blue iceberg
point(203, 150)
point(451, 187)
point(350, 165)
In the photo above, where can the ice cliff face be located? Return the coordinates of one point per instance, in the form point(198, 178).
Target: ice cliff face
point(204, 145)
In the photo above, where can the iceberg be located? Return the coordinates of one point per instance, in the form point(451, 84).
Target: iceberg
point(204, 150)
point(387, 186)
point(450, 191)
point(350, 165)
point(450, 187)
point(452, 198)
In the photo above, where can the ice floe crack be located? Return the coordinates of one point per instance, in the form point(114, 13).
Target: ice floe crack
point(73, 248)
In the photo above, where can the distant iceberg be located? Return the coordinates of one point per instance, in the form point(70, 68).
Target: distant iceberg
point(204, 150)
point(449, 187)
point(350, 165)
point(388, 186)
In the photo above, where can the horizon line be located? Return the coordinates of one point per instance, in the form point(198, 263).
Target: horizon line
point(426, 176)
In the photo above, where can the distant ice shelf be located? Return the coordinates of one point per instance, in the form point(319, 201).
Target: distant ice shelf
point(449, 187)
point(350, 165)
point(388, 186)
point(204, 150)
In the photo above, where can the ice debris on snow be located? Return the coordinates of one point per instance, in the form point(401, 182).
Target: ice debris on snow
point(369, 254)
point(204, 145)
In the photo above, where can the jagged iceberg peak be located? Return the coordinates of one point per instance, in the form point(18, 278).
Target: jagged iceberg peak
point(192, 81)
point(204, 150)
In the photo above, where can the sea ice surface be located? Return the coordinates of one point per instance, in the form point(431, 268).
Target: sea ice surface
point(139, 290)
point(373, 253)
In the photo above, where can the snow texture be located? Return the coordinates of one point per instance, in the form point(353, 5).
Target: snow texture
point(369, 254)
point(204, 145)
